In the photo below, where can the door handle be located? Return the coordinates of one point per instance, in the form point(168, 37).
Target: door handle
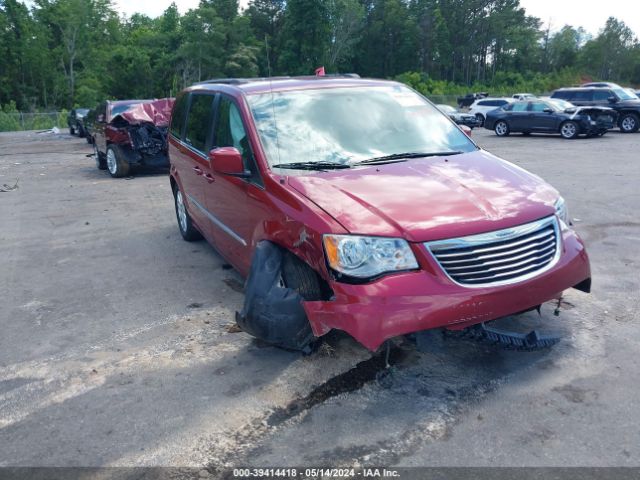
point(210, 178)
point(198, 170)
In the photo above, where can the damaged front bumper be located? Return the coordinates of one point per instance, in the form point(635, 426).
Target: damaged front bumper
point(413, 301)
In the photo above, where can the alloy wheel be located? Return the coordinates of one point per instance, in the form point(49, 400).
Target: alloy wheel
point(628, 124)
point(568, 130)
point(112, 164)
point(501, 128)
point(182, 211)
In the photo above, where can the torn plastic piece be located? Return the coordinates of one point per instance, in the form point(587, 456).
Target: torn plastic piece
point(524, 341)
point(271, 312)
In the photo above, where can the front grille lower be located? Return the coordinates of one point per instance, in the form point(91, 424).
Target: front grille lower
point(501, 257)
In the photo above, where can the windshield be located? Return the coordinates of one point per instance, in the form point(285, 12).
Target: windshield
point(560, 104)
point(622, 95)
point(347, 125)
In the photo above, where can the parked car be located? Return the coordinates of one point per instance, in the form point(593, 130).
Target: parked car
point(355, 205)
point(523, 96)
point(469, 98)
point(74, 121)
point(131, 132)
point(459, 117)
point(627, 106)
point(550, 116)
point(480, 108)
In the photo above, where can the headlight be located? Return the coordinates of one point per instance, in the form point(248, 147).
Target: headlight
point(367, 257)
point(562, 212)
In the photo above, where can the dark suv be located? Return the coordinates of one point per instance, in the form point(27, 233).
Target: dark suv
point(627, 106)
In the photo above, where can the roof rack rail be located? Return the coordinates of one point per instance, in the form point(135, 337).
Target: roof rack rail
point(228, 81)
point(240, 81)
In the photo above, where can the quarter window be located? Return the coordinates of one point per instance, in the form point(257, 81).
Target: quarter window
point(199, 121)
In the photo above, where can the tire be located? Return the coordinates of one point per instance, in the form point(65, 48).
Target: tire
point(116, 163)
point(72, 130)
point(88, 139)
point(501, 128)
point(101, 163)
point(480, 119)
point(629, 123)
point(185, 225)
point(569, 130)
point(300, 277)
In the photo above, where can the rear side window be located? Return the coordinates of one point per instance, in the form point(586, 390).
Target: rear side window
point(583, 96)
point(564, 95)
point(484, 103)
point(178, 115)
point(199, 122)
point(499, 103)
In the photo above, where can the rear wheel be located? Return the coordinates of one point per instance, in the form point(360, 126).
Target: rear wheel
point(569, 130)
point(116, 163)
point(100, 160)
point(501, 128)
point(629, 123)
point(187, 230)
point(480, 119)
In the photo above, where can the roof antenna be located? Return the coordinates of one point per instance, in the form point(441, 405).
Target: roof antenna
point(273, 104)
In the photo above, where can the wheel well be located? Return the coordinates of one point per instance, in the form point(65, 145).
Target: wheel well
point(627, 112)
point(327, 292)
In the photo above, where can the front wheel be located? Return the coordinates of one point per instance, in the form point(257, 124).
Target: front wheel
point(187, 230)
point(501, 128)
point(116, 163)
point(629, 123)
point(569, 130)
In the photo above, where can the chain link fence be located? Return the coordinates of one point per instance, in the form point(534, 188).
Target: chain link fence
point(19, 121)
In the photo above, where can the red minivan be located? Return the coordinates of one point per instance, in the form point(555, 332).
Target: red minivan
point(357, 205)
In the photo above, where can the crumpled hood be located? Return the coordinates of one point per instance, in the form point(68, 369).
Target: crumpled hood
point(431, 198)
point(157, 112)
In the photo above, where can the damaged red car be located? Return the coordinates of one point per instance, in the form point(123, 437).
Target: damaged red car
point(128, 133)
point(357, 205)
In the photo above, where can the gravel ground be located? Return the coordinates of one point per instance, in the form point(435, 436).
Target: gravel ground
point(118, 345)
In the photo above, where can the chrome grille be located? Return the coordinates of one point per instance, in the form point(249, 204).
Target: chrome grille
point(501, 257)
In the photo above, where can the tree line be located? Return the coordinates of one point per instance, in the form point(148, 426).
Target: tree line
point(64, 53)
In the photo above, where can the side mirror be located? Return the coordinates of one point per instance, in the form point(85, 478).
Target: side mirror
point(612, 99)
point(228, 161)
point(547, 110)
point(466, 130)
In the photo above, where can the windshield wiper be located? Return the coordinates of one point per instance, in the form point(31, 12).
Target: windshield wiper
point(312, 165)
point(400, 157)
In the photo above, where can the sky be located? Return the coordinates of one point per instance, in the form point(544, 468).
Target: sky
point(586, 13)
